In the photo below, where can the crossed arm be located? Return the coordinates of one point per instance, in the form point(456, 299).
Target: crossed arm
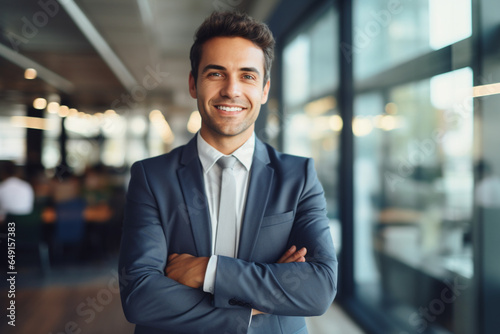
point(190, 270)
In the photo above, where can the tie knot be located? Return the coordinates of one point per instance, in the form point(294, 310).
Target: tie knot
point(226, 162)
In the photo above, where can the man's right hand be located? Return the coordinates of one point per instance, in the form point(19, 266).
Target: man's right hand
point(291, 255)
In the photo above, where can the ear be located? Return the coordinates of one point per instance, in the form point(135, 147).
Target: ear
point(192, 86)
point(265, 92)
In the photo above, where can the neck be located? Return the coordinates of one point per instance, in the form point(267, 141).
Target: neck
point(226, 144)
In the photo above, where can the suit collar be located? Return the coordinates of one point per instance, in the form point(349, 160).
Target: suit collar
point(261, 178)
point(189, 152)
point(190, 177)
point(261, 152)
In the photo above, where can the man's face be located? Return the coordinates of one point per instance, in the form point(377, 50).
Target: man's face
point(230, 87)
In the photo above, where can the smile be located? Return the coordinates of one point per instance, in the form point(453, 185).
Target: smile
point(224, 108)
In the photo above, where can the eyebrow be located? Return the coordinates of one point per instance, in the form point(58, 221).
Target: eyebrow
point(222, 68)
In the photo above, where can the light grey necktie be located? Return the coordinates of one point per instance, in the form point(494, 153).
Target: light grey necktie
point(225, 241)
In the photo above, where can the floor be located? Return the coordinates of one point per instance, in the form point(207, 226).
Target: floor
point(334, 321)
point(86, 298)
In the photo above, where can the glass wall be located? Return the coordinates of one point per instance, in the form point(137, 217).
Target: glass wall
point(311, 121)
point(422, 148)
point(414, 162)
point(387, 32)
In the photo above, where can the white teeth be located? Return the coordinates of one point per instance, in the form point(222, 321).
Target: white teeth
point(229, 108)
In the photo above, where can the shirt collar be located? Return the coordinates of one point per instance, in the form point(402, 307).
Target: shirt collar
point(209, 155)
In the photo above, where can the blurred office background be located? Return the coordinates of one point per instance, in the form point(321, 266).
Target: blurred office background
point(396, 101)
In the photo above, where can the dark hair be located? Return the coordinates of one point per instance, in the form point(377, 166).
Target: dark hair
point(233, 24)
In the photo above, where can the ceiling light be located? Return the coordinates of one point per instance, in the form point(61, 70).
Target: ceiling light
point(63, 111)
point(43, 73)
point(73, 112)
point(30, 73)
point(99, 43)
point(39, 103)
point(53, 107)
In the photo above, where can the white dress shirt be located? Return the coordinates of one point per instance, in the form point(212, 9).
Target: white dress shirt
point(212, 178)
point(16, 197)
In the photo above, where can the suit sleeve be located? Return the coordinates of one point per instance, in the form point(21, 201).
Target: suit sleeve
point(291, 289)
point(149, 298)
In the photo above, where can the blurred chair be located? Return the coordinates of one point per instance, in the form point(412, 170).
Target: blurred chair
point(69, 226)
point(29, 235)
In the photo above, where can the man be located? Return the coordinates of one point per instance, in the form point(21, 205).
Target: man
point(16, 195)
point(190, 266)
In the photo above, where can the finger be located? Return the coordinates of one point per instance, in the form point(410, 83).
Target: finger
point(171, 267)
point(303, 251)
point(287, 254)
point(168, 270)
point(173, 256)
point(297, 255)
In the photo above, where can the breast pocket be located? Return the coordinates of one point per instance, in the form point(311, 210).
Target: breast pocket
point(281, 218)
point(273, 237)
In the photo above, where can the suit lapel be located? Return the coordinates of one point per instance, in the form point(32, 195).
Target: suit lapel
point(190, 177)
point(261, 176)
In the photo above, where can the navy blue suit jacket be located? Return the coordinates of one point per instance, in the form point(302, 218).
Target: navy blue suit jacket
point(167, 212)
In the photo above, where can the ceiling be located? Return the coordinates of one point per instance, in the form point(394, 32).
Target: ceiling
point(105, 54)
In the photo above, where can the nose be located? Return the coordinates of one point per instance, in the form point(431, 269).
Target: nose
point(231, 87)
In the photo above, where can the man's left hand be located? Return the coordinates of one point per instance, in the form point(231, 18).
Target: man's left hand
point(187, 269)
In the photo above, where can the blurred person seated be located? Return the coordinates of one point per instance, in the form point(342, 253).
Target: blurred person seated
point(97, 194)
point(43, 188)
point(66, 187)
point(68, 216)
point(16, 195)
point(96, 188)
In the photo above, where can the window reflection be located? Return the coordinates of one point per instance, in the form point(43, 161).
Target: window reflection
point(413, 177)
point(311, 121)
point(449, 21)
point(386, 33)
